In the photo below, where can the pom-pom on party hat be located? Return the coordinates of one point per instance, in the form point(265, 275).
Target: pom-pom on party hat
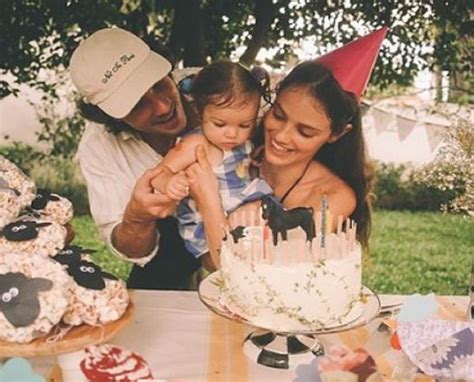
point(352, 63)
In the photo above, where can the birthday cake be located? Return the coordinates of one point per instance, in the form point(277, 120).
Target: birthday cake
point(310, 281)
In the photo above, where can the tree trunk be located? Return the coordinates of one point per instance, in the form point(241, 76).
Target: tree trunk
point(187, 34)
point(264, 15)
point(438, 83)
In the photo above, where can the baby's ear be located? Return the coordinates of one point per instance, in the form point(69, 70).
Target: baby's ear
point(334, 137)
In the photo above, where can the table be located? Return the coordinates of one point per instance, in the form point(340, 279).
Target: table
point(183, 341)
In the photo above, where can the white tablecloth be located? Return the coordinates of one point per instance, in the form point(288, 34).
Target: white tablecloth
point(183, 341)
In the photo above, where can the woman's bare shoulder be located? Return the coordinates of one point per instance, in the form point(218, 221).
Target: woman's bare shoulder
point(341, 197)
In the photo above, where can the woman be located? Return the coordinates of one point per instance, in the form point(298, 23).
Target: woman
point(313, 146)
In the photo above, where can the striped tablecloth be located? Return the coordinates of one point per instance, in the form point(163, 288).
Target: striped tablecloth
point(183, 341)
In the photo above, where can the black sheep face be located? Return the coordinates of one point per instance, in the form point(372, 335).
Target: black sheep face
point(22, 230)
point(88, 275)
point(42, 198)
point(19, 297)
point(71, 254)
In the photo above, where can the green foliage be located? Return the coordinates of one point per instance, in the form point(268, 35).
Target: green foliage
point(395, 189)
point(43, 34)
point(452, 171)
point(57, 174)
point(87, 236)
point(23, 155)
point(420, 253)
point(61, 125)
point(62, 176)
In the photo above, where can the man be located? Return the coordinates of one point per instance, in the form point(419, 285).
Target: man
point(136, 112)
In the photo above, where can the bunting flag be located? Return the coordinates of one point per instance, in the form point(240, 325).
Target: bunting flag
point(435, 134)
point(405, 126)
point(383, 120)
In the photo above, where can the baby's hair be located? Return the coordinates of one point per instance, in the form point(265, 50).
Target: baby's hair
point(224, 82)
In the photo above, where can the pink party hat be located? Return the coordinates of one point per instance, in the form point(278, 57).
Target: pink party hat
point(352, 63)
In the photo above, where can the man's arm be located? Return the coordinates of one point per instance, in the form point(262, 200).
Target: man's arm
point(124, 208)
point(180, 157)
point(136, 235)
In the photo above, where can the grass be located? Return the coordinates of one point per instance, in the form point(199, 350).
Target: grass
point(87, 236)
point(418, 252)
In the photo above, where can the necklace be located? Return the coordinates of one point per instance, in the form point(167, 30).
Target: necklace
point(295, 183)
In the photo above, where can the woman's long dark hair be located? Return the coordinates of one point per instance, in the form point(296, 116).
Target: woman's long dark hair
point(347, 157)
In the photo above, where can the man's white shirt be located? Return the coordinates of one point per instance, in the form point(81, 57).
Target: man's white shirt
point(111, 165)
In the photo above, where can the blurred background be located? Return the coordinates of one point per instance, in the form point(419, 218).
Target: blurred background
point(418, 111)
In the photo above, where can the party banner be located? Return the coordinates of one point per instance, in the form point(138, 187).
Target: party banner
point(435, 134)
point(383, 120)
point(405, 126)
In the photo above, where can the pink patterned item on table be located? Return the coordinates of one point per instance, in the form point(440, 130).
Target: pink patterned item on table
point(105, 363)
point(440, 348)
point(343, 364)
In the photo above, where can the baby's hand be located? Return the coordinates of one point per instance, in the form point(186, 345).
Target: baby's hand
point(178, 186)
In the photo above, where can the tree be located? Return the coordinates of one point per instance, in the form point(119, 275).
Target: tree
point(37, 34)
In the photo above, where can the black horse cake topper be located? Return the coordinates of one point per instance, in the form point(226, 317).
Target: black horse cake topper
point(22, 230)
point(19, 301)
point(42, 198)
point(280, 220)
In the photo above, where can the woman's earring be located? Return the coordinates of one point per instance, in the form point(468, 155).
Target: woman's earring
point(333, 138)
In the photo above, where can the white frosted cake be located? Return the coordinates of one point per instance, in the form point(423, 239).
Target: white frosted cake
point(296, 284)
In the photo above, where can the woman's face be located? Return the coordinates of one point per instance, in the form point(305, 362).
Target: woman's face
point(160, 110)
point(296, 127)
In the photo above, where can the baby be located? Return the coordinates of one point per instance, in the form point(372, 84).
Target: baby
point(227, 97)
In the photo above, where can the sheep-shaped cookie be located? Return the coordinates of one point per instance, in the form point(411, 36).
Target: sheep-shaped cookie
point(51, 207)
point(9, 203)
point(30, 236)
point(97, 297)
point(14, 178)
point(34, 294)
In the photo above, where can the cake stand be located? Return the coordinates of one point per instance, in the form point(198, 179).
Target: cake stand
point(283, 349)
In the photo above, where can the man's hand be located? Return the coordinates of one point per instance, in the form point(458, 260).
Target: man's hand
point(145, 205)
point(136, 235)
